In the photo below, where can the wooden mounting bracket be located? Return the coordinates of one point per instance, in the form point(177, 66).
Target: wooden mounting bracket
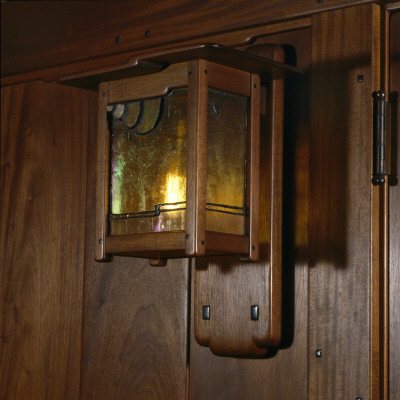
point(243, 299)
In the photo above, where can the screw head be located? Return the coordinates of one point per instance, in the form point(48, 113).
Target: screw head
point(360, 78)
point(147, 34)
point(254, 313)
point(206, 312)
point(100, 241)
point(117, 40)
point(318, 353)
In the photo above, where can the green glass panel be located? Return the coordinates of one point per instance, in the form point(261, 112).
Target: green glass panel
point(148, 164)
point(226, 168)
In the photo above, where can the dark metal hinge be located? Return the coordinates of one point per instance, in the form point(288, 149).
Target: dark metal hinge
point(381, 148)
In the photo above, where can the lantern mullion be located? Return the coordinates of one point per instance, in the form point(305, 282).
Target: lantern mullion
point(196, 158)
point(253, 168)
point(102, 176)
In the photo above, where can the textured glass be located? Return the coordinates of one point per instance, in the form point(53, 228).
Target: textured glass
point(148, 164)
point(226, 168)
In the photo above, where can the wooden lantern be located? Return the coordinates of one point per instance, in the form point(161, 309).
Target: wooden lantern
point(178, 157)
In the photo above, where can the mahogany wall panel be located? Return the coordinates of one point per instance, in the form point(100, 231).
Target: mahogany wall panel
point(283, 373)
point(344, 239)
point(39, 34)
point(394, 214)
point(135, 321)
point(43, 186)
point(135, 330)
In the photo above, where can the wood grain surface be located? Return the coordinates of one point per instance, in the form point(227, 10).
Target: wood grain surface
point(123, 65)
point(221, 378)
point(196, 158)
point(344, 235)
point(132, 338)
point(134, 343)
point(44, 129)
point(134, 322)
point(394, 213)
point(43, 34)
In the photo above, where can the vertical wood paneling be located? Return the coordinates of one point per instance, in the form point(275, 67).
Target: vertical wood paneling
point(394, 215)
point(135, 330)
point(43, 187)
point(135, 321)
point(344, 273)
point(282, 374)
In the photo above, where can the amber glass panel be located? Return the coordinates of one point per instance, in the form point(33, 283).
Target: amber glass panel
point(226, 168)
point(148, 164)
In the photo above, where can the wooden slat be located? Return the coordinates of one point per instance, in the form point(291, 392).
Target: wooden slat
point(102, 176)
point(42, 34)
point(196, 158)
point(272, 199)
point(253, 165)
point(134, 324)
point(44, 133)
point(228, 79)
point(224, 242)
point(344, 207)
point(143, 242)
point(149, 85)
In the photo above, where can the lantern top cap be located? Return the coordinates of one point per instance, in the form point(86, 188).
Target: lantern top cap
point(153, 62)
point(229, 57)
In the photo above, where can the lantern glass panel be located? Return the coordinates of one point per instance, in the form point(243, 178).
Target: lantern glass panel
point(148, 164)
point(226, 162)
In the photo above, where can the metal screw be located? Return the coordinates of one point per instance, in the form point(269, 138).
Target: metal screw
point(206, 312)
point(187, 236)
point(202, 242)
point(205, 71)
point(117, 39)
point(147, 34)
point(360, 78)
point(253, 247)
point(358, 398)
point(254, 313)
point(100, 241)
point(318, 353)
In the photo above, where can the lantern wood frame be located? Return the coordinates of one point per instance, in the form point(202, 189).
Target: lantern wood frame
point(197, 75)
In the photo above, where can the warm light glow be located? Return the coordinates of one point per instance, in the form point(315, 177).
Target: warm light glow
point(175, 190)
